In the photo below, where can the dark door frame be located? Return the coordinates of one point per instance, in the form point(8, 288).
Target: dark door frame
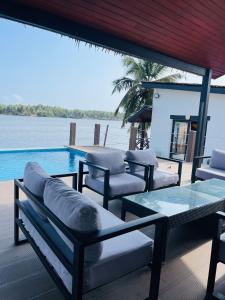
point(182, 118)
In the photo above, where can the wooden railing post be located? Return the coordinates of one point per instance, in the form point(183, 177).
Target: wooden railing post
point(72, 134)
point(133, 138)
point(97, 134)
point(106, 133)
point(191, 146)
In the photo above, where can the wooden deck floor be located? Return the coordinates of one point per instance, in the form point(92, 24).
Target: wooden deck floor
point(184, 275)
point(89, 149)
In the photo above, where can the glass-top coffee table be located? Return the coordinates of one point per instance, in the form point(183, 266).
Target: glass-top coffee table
point(180, 204)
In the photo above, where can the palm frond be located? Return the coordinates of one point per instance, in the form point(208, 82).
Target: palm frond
point(122, 84)
point(170, 78)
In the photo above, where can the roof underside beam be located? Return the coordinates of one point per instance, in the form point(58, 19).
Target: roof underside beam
point(45, 20)
point(182, 87)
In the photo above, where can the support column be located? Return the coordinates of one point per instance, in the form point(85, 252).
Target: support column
point(202, 118)
point(191, 146)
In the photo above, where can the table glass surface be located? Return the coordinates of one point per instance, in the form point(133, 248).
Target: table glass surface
point(175, 200)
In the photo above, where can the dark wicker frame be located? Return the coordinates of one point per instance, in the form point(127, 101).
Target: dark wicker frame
point(106, 195)
point(214, 260)
point(197, 161)
point(151, 173)
point(76, 269)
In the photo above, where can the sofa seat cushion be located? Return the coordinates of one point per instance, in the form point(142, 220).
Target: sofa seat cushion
point(208, 173)
point(160, 178)
point(163, 179)
point(112, 160)
point(119, 184)
point(222, 248)
point(76, 211)
point(120, 255)
point(144, 156)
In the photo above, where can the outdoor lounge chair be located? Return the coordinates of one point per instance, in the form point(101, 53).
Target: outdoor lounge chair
point(215, 169)
point(108, 177)
point(217, 255)
point(81, 244)
point(157, 178)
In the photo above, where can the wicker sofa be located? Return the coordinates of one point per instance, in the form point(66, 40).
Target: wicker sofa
point(82, 245)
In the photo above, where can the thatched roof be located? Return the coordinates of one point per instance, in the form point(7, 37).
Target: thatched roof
point(144, 115)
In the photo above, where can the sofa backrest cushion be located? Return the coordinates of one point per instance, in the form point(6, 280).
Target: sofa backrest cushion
point(113, 160)
point(218, 159)
point(144, 156)
point(34, 180)
point(76, 211)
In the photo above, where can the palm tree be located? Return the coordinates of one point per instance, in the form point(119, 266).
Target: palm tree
point(136, 95)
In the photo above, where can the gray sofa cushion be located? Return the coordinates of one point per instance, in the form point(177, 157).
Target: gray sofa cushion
point(120, 255)
point(34, 180)
point(113, 160)
point(163, 179)
point(119, 184)
point(74, 210)
point(222, 248)
point(144, 156)
point(208, 173)
point(218, 159)
point(160, 178)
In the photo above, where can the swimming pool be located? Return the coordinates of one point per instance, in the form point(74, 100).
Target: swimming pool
point(53, 160)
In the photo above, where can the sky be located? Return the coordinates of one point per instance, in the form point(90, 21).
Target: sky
point(41, 67)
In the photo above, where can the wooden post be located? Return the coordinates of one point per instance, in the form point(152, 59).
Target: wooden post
point(72, 134)
point(133, 138)
point(106, 133)
point(191, 146)
point(97, 134)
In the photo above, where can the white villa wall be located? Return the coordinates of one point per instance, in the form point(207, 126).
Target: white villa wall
point(172, 102)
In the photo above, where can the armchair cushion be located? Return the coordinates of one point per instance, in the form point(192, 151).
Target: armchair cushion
point(160, 178)
point(164, 179)
point(34, 180)
point(119, 184)
point(209, 172)
point(120, 255)
point(74, 210)
point(113, 160)
point(144, 156)
point(218, 159)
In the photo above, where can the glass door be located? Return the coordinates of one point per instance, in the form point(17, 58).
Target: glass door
point(179, 139)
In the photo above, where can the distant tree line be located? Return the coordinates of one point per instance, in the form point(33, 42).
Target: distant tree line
point(54, 111)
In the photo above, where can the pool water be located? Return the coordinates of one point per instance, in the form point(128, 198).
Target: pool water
point(53, 160)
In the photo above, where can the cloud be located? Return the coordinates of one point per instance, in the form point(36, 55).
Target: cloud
point(13, 99)
point(17, 98)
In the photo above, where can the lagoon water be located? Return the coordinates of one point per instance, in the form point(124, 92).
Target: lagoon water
point(35, 132)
